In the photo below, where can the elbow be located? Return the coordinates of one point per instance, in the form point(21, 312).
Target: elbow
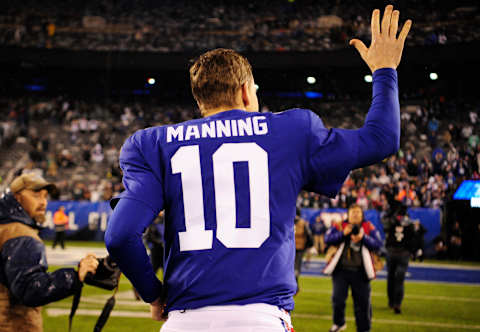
point(388, 146)
point(31, 295)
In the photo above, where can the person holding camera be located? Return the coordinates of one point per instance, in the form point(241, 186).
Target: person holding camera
point(351, 265)
point(303, 241)
point(25, 284)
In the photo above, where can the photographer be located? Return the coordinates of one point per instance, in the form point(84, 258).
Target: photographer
point(351, 265)
point(25, 284)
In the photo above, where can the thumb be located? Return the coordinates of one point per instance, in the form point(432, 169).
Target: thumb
point(360, 46)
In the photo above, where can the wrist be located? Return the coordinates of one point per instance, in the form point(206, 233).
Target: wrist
point(380, 69)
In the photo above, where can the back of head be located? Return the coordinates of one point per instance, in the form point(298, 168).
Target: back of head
point(216, 77)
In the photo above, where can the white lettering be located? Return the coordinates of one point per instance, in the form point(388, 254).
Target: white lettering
point(223, 128)
point(256, 125)
point(93, 221)
point(192, 131)
point(174, 133)
point(103, 222)
point(259, 128)
point(49, 220)
point(208, 129)
point(71, 222)
point(245, 127)
point(234, 128)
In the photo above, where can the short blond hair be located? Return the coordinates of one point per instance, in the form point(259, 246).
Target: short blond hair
point(217, 75)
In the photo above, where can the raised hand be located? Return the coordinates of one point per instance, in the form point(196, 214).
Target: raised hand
point(385, 50)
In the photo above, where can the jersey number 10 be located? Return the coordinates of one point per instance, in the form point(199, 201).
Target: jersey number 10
point(186, 161)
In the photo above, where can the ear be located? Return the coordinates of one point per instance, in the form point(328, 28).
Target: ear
point(245, 95)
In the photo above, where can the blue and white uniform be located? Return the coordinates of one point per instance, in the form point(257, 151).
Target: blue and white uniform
point(229, 184)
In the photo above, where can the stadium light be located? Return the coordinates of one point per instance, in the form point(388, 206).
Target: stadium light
point(433, 76)
point(368, 78)
point(151, 81)
point(311, 80)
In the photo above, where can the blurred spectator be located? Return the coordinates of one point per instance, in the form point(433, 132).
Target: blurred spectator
point(455, 243)
point(261, 25)
point(319, 229)
point(418, 242)
point(400, 235)
point(303, 241)
point(60, 220)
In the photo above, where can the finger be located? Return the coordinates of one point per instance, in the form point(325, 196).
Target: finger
point(405, 30)
point(360, 46)
point(387, 16)
point(375, 24)
point(394, 24)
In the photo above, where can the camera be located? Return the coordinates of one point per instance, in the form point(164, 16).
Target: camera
point(355, 230)
point(106, 276)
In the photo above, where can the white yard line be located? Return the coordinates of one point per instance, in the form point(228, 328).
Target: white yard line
point(448, 283)
point(407, 296)
point(71, 255)
point(396, 322)
point(55, 312)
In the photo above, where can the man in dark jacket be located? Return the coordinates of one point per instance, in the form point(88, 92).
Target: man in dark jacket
point(352, 266)
point(25, 284)
point(399, 244)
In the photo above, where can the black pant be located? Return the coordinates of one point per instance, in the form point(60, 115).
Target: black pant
point(397, 265)
point(298, 264)
point(342, 279)
point(59, 238)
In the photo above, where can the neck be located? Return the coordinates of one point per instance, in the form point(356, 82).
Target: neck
point(212, 111)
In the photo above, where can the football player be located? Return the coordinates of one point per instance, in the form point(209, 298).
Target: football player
point(229, 182)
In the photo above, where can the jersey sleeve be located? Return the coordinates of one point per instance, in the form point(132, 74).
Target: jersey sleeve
point(139, 179)
point(333, 153)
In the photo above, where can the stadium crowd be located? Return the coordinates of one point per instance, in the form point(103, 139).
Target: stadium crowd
point(184, 26)
point(76, 143)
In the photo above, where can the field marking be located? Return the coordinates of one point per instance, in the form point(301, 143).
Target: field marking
point(447, 283)
point(55, 312)
point(407, 296)
point(414, 264)
point(395, 322)
point(133, 303)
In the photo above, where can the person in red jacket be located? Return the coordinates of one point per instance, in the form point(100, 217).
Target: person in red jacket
point(352, 266)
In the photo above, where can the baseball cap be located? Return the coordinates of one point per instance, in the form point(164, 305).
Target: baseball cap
point(31, 181)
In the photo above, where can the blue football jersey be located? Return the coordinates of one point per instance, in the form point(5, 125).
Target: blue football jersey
point(229, 184)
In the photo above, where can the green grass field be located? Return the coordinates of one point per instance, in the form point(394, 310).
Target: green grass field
point(427, 307)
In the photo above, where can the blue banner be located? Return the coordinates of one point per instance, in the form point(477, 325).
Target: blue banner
point(88, 221)
point(429, 218)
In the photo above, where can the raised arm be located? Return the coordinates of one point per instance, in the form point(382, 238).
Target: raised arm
point(381, 133)
point(335, 152)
